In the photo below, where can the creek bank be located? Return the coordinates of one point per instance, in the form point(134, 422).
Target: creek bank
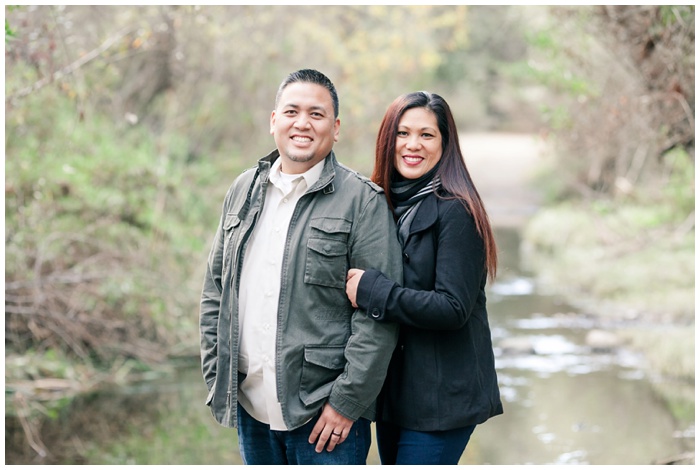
point(629, 268)
point(639, 280)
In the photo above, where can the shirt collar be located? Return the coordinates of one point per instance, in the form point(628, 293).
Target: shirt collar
point(310, 176)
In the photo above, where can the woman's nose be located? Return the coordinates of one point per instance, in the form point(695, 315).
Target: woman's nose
point(413, 143)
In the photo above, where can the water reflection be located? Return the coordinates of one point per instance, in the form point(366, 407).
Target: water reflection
point(565, 402)
point(162, 422)
point(594, 418)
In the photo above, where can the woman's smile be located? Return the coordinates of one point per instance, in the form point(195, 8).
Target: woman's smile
point(418, 143)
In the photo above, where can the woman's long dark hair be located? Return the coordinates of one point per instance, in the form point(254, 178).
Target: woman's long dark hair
point(452, 170)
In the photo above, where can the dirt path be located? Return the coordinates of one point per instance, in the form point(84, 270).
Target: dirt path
point(502, 167)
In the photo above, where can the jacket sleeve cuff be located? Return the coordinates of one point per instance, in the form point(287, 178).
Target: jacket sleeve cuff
point(373, 293)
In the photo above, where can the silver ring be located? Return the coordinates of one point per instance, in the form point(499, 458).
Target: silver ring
point(336, 434)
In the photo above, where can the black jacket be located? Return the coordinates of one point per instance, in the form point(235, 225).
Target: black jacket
point(442, 374)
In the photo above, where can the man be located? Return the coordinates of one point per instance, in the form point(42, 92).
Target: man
point(285, 358)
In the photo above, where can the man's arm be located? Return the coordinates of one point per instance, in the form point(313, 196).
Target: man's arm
point(209, 306)
point(373, 244)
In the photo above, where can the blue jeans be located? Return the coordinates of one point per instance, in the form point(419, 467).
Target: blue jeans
point(261, 446)
point(400, 446)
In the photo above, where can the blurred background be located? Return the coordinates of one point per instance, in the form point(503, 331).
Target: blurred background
point(125, 125)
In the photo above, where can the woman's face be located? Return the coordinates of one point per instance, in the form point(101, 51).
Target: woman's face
point(418, 143)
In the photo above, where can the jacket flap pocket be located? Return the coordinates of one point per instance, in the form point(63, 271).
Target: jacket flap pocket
point(327, 247)
point(330, 357)
point(231, 221)
point(331, 225)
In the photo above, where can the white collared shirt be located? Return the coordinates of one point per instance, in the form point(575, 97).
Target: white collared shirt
point(259, 294)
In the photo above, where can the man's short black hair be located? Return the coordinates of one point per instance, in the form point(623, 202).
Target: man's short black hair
point(310, 76)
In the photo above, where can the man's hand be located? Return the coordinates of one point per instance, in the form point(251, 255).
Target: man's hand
point(331, 428)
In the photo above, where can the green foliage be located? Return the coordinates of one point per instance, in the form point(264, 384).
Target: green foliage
point(551, 64)
point(37, 364)
point(621, 87)
point(108, 220)
point(679, 189)
point(676, 13)
point(113, 187)
point(558, 117)
point(9, 32)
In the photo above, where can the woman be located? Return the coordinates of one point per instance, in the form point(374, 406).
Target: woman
point(442, 378)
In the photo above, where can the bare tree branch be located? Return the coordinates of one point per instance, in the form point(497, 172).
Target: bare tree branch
point(69, 69)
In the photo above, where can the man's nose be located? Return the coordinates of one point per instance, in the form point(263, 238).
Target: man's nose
point(302, 121)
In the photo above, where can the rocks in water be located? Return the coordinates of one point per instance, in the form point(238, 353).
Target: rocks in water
point(517, 345)
point(596, 341)
point(602, 340)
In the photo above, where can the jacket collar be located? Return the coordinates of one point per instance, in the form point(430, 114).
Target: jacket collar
point(324, 181)
point(426, 215)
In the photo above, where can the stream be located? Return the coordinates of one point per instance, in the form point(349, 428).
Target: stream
point(565, 402)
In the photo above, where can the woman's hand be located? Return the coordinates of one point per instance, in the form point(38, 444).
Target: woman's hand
point(352, 281)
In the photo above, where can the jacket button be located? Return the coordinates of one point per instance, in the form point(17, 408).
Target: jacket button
point(375, 313)
point(406, 257)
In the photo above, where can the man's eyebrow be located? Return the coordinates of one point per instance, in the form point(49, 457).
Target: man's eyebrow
point(312, 108)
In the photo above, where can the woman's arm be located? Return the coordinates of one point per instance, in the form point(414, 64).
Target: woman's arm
point(459, 274)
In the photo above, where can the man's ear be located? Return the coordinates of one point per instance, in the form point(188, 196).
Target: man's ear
point(336, 131)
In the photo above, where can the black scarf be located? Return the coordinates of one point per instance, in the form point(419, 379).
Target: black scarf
point(405, 193)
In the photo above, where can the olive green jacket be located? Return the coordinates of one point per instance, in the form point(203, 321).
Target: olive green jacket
point(325, 350)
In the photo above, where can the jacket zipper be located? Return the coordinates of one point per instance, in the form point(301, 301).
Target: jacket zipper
point(234, 324)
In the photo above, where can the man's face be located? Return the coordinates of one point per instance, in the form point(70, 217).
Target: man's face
point(304, 126)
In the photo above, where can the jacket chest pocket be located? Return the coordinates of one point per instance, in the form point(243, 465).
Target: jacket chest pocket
point(327, 252)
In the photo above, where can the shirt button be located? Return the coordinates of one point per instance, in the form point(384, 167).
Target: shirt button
point(285, 200)
point(375, 313)
point(406, 257)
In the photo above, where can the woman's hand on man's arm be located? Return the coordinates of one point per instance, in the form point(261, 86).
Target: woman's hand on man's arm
point(351, 283)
